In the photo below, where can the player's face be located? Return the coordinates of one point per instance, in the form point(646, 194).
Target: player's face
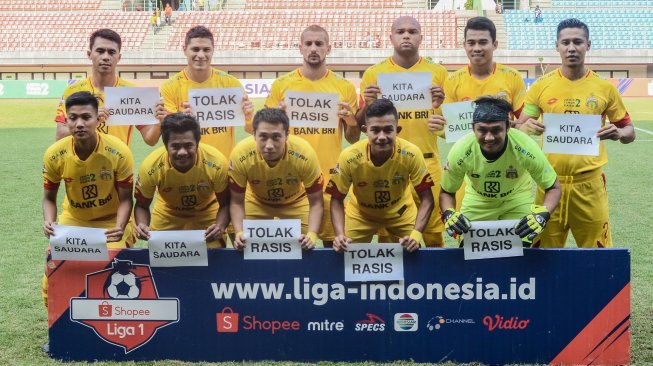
point(199, 52)
point(491, 136)
point(406, 37)
point(479, 47)
point(82, 121)
point(314, 48)
point(104, 55)
point(572, 44)
point(382, 134)
point(271, 141)
point(182, 150)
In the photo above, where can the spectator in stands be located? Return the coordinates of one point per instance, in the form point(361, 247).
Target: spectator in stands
point(153, 22)
point(201, 4)
point(168, 13)
point(104, 53)
point(575, 89)
point(195, 5)
point(538, 14)
point(406, 37)
point(314, 76)
point(499, 7)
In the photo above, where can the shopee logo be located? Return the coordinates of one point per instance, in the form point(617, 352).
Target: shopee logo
point(227, 321)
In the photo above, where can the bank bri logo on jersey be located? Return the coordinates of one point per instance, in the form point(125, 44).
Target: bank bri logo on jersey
point(122, 305)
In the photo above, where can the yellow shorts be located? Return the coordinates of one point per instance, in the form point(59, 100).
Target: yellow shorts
point(583, 209)
point(361, 229)
point(256, 210)
point(199, 222)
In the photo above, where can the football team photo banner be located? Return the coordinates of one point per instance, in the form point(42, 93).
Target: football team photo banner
point(549, 306)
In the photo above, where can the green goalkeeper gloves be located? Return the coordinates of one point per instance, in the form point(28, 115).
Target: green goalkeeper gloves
point(455, 222)
point(532, 224)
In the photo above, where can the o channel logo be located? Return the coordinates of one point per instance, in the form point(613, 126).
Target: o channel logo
point(406, 322)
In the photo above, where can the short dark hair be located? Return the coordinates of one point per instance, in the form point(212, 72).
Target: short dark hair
point(179, 123)
point(315, 28)
point(491, 109)
point(198, 31)
point(105, 33)
point(82, 98)
point(573, 23)
point(381, 107)
point(274, 116)
point(481, 24)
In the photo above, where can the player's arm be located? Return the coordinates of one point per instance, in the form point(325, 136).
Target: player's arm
point(315, 212)
point(125, 195)
point(552, 197)
point(142, 216)
point(62, 131)
point(528, 120)
point(237, 213)
point(347, 115)
point(424, 211)
point(369, 95)
point(215, 231)
point(612, 131)
point(437, 96)
point(340, 242)
point(532, 224)
point(49, 208)
point(151, 133)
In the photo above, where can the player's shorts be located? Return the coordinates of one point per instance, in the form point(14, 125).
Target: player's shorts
point(361, 229)
point(479, 209)
point(583, 209)
point(256, 210)
point(326, 229)
point(199, 222)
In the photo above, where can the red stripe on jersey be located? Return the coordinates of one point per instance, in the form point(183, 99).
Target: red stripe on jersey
point(517, 113)
point(317, 185)
point(425, 184)
point(224, 195)
point(233, 185)
point(624, 121)
point(50, 186)
point(332, 189)
point(142, 200)
point(127, 183)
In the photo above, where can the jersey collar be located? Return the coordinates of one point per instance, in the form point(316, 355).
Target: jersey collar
point(419, 61)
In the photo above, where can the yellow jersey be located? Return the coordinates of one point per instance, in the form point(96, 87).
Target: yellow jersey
point(380, 191)
point(175, 92)
point(124, 133)
point(297, 173)
point(91, 192)
point(554, 93)
point(505, 83)
point(183, 194)
point(328, 141)
point(414, 123)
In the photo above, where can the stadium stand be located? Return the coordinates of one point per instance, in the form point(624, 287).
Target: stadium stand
point(49, 5)
point(610, 28)
point(65, 31)
point(601, 3)
point(270, 29)
point(323, 4)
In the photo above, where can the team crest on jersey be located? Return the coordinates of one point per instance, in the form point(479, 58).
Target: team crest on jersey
point(290, 179)
point(122, 305)
point(397, 179)
point(105, 174)
point(511, 173)
point(502, 95)
point(592, 102)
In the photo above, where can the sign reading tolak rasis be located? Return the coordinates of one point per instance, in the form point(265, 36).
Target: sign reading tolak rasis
point(272, 239)
point(573, 134)
point(217, 107)
point(492, 239)
point(177, 248)
point(306, 109)
point(131, 106)
point(374, 262)
point(459, 119)
point(78, 243)
point(407, 90)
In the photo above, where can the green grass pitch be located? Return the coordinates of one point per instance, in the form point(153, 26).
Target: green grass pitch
point(26, 130)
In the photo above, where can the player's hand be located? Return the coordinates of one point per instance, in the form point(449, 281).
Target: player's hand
point(239, 241)
point(609, 132)
point(437, 96)
point(142, 231)
point(340, 243)
point(532, 127)
point(282, 105)
point(248, 108)
point(308, 241)
point(371, 94)
point(102, 114)
point(185, 108)
point(346, 113)
point(213, 232)
point(455, 222)
point(410, 244)
point(160, 110)
point(436, 123)
point(532, 224)
point(115, 234)
point(48, 229)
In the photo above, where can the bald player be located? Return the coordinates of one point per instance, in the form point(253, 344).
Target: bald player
point(406, 37)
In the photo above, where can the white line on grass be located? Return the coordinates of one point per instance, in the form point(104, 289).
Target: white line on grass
point(643, 130)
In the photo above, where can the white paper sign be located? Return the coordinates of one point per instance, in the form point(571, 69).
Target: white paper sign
point(492, 239)
point(459, 119)
point(178, 248)
point(257, 88)
point(573, 134)
point(78, 243)
point(374, 262)
point(312, 109)
point(272, 239)
point(407, 90)
point(217, 107)
point(131, 105)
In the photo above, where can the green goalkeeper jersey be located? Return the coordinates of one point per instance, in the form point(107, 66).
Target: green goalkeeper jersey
point(508, 178)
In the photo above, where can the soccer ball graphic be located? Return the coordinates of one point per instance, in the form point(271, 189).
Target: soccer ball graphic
point(124, 286)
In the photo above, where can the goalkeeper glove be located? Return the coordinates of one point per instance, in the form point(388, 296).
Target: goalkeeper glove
point(532, 224)
point(455, 222)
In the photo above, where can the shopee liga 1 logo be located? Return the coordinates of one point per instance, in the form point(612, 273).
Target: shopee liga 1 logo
point(122, 305)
